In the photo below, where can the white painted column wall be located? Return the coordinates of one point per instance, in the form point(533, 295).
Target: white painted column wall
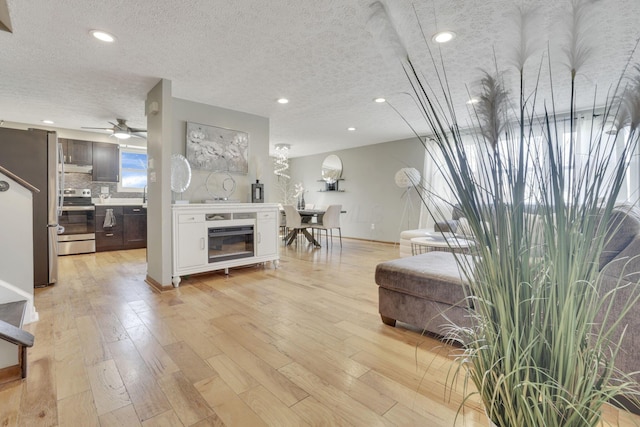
point(16, 252)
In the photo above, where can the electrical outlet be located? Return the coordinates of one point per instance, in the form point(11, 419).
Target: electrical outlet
point(373, 226)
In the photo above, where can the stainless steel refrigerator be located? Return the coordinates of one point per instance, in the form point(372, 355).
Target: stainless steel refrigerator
point(34, 155)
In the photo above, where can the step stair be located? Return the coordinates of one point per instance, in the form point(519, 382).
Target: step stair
point(11, 318)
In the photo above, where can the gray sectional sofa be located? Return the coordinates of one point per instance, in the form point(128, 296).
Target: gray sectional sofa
point(427, 290)
point(423, 290)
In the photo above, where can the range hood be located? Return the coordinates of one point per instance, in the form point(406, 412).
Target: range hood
point(78, 168)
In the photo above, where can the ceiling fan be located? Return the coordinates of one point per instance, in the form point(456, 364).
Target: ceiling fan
point(122, 131)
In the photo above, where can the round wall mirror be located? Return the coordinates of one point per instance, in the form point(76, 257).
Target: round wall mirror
point(180, 174)
point(331, 169)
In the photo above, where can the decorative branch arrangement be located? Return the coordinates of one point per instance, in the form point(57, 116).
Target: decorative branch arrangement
point(544, 345)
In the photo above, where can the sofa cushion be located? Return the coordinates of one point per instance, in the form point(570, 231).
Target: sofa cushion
point(448, 226)
point(623, 227)
point(410, 234)
point(433, 275)
point(626, 264)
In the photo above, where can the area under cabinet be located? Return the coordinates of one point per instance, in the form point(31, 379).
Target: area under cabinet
point(220, 236)
point(125, 229)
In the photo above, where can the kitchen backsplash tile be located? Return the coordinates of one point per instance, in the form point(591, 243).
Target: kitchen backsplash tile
point(83, 180)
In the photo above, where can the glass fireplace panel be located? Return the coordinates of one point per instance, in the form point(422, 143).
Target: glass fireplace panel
point(227, 243)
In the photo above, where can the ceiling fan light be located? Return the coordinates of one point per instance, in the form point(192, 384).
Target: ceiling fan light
point(122, 134)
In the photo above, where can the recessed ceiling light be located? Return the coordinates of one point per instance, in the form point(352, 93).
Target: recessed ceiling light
point(351, 129)
point(47, 122)
point(103, 36)
point(283, 101)
point(443, 36)
point(379, 100)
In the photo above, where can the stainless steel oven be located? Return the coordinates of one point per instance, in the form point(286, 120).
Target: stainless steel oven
point(77, 223)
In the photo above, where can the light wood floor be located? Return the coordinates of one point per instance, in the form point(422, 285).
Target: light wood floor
point(299, 345)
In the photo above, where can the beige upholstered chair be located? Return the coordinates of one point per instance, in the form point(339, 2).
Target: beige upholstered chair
point(283, 223)
point(330, 220)
point(293, 221)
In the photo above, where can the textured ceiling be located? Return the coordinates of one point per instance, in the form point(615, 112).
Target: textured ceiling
point(244, 54)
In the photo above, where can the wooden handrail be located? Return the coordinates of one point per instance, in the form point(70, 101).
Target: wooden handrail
point(11, 317)
point(19, 180)
point(14, 335)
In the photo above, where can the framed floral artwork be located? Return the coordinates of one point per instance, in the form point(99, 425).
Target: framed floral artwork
point(217, 149)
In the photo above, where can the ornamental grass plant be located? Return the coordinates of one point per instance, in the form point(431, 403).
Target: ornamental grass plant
point(539, 202)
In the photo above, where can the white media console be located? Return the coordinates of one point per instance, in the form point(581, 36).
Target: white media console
point(218, 236)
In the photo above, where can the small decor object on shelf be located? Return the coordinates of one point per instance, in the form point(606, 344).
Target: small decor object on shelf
point(257, 192)
point(331, 186)
point(221, 186)
point(299, 194)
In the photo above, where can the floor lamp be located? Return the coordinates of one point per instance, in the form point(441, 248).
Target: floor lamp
point(407, 178)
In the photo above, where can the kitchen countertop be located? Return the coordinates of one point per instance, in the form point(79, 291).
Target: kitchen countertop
point(118, 202)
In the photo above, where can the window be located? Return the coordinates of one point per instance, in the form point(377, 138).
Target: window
point(133, 169)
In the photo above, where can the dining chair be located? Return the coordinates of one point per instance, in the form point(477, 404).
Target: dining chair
point(283, 223)
point(330, 220)
point(293, 221)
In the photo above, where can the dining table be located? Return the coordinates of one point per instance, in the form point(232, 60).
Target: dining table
point(307, 216)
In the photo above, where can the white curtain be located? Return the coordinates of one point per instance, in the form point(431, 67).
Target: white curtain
point(437, 193)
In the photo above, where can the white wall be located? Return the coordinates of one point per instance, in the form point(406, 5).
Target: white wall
point(16, 226)
point(16, 258)
point(371, 195)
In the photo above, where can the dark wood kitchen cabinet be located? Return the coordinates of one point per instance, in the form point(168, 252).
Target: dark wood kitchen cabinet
point(77, 152)
point(106, 162)
point(135, 227)
point(129, 231)
point(109, 238)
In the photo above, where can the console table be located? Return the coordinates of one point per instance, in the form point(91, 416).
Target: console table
point(216, 236)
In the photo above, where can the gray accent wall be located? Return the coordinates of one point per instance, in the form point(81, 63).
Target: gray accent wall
point(259, 162)
point(377, 209)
